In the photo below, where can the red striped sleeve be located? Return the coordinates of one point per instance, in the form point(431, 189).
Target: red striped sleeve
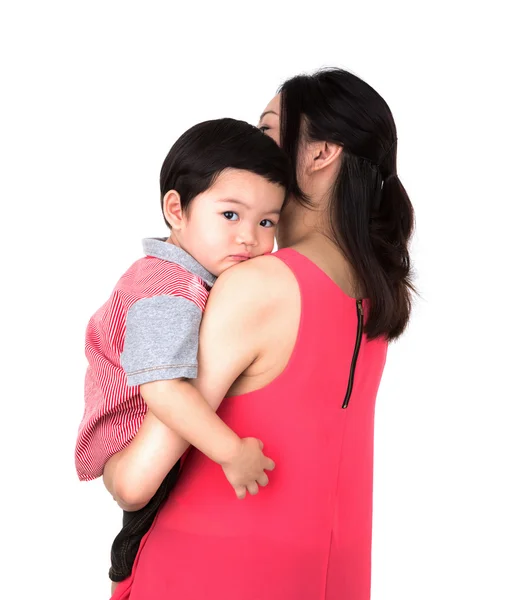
point(114, 412)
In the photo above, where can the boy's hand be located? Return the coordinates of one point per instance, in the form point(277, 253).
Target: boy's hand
point(245, 470)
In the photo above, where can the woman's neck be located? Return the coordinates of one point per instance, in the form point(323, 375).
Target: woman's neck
point(304, 230)
point(300, 224)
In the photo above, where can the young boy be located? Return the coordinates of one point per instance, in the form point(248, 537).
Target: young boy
point(223, 185)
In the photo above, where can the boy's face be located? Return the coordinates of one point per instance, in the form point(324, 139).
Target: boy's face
point(233, 220)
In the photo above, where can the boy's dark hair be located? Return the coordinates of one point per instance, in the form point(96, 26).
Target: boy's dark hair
point(204, 151)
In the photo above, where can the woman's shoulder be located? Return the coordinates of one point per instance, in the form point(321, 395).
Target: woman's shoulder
point(256, 285)
point(257, 275)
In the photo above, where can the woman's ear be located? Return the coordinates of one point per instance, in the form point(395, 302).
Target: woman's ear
point(323, 155)
point(173, 209)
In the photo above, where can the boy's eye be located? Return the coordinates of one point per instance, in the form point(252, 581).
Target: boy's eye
point(267, 223)
point(230, 215)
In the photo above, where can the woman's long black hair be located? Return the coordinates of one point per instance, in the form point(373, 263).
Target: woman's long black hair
point(370, 212)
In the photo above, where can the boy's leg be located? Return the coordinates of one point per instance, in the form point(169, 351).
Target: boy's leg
point(152, 445)
point(135, 526)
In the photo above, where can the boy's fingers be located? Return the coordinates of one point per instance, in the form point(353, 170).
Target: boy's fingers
point(241, 492)
point(269, 465)
point(253, 488)
point(263, 479)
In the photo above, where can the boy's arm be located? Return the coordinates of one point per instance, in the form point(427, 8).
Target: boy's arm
point(229, 341)
point(182, 408)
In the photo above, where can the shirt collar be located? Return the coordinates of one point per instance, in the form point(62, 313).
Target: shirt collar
point(159, 248)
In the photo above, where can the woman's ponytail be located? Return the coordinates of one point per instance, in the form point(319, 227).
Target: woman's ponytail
point(390, 229)
point(372, 220)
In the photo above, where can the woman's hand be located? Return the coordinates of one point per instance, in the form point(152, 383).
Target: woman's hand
point(245, 470)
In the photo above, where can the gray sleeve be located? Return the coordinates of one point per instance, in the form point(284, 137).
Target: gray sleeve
point(161, 340)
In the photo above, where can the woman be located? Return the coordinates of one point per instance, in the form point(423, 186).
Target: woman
point(297, 341)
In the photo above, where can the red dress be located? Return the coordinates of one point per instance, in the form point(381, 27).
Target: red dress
point(307, 535)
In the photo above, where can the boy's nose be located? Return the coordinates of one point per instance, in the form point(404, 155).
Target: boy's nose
point(247, 237)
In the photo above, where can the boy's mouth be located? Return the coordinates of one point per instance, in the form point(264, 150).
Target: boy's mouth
point(240, 257)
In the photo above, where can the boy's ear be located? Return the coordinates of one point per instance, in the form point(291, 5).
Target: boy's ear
point(173, 209)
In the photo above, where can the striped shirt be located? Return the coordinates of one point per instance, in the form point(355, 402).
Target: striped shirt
point(146, 331)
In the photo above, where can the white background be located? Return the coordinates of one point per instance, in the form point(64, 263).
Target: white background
point(93, 95)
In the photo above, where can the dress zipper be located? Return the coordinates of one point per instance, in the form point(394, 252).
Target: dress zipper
point(359, 333)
